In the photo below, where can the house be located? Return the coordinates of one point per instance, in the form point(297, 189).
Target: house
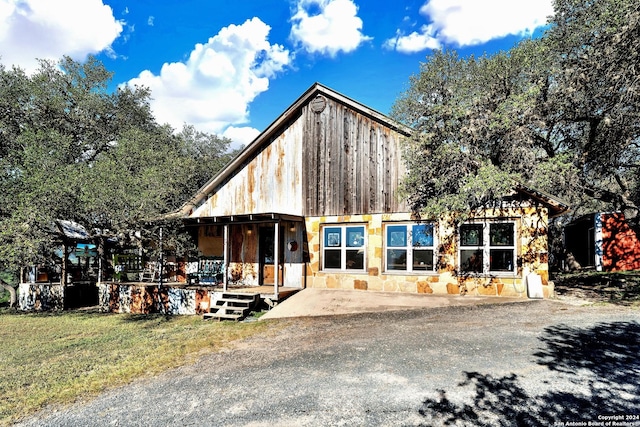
point(313, 202)
point(603, 241)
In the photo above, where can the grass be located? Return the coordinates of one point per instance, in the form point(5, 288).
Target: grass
point(618, 288)
point(58, 358)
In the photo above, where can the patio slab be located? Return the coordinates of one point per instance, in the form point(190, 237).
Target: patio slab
point(329, 302)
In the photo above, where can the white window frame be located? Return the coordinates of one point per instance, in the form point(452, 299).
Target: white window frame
point(486, 247)
point(343, 246)
point(409, 247)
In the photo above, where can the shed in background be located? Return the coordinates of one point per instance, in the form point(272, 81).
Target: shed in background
point(603, 241)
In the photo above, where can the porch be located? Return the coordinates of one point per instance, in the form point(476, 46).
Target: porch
point(265, 291)
point(255, 251)
point(182, 298)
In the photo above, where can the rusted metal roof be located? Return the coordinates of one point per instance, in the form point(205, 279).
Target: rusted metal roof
point(72, 230)
point(245, 219)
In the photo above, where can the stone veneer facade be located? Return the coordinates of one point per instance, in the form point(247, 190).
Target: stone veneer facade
point(531, 251)
point(143, 299)
point(40, 296)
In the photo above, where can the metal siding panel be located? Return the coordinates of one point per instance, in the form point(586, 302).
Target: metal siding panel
point(358, 171)
point(270, 182)
point(322, 161)
point(374, 185)
point(348, 162)
point(335, 162)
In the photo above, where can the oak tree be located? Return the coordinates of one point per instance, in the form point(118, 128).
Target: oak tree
point(559, 113)
point(71, 149)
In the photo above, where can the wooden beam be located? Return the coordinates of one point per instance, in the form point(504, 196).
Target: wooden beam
point(276, 259)
point(225, 254)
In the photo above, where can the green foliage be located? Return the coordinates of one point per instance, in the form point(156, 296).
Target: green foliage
point(71, 150)
point(559, 113)
point(209, 153)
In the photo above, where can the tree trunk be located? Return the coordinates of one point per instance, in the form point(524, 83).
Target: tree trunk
point(12, 291)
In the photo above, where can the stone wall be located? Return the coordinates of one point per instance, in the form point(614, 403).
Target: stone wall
point(144, 299)
point(40, 296)
point(531, 251)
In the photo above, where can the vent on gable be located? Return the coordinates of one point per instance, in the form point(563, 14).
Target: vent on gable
point(318, 104)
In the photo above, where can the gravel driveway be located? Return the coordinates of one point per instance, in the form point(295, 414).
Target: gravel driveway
point(532, 363)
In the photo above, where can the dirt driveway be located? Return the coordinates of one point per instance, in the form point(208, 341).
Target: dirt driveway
point(529, 363)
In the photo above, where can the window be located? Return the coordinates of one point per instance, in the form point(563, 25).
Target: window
point(344, 248)
point(409, 247)
point(487, 247)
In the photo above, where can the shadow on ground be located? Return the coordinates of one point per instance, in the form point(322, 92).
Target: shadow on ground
point(620, 288)
point(599, 367)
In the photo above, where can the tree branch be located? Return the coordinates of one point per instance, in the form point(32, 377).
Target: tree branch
point(12, 291)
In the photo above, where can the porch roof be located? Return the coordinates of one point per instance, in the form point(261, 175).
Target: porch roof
point(252, 218)
point(72, 230)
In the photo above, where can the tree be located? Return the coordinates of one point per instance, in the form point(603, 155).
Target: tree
point(72, 150)
point(5, 283)
point(597, 95)
point(208, 154)
point(559, 113)
point(146, 175)
point(53, 125)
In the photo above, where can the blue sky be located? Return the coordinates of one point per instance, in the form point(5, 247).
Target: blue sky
point(231, 67)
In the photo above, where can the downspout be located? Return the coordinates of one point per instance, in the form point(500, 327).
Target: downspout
point(101, 251)
point(161, 261)
point(65, 264)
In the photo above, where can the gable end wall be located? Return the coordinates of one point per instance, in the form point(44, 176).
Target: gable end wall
point(352, 163)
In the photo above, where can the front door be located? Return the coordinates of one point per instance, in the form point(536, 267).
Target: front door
point(266, 255)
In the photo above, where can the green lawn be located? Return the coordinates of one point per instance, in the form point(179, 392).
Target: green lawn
point(52, 358)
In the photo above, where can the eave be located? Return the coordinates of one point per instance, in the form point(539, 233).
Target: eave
point(556, 206)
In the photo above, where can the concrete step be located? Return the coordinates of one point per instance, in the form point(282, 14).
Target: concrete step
point(232, 306)
point(241, 295)
point(236, 301)
point(228, 309)
point(222, 316)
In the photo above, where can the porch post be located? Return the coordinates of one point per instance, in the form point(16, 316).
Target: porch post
point(161, 260)
point(225, 255)
point(100, 242)
point(276, 260)
point(65, 264)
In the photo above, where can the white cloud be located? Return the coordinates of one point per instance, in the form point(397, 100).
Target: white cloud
point(45, 29)
point(241, 135)
point(214, 87)
point(473, 22)
point(327, 26)
point(414, 42)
